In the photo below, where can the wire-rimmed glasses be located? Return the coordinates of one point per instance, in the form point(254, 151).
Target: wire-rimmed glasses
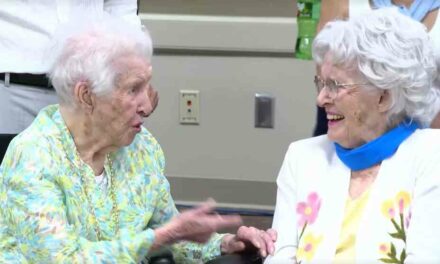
point(332, 86)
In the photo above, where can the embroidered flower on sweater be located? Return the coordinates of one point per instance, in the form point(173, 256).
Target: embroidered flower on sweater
point(308, 246)
point(403, 200)
point(384, 249)
point(388, 209)
point(400, 220)
point(308, 212)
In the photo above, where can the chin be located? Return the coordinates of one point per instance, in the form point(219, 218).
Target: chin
point(335, 139)
point(127, 140)
point(331, 136)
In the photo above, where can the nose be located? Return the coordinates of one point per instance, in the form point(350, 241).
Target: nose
point(323, 98)
point(145, 107)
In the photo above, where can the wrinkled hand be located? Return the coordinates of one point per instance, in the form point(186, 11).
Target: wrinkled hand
point(250, 238)
point(153, 96)
point(195, 225)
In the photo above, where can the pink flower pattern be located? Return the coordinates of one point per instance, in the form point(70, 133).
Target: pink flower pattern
point(308, 211)
point(408, 219)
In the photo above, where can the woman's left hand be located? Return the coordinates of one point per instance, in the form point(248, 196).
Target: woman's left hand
point(250, 238)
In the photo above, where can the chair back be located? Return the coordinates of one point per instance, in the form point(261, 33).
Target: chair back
point(5, 139)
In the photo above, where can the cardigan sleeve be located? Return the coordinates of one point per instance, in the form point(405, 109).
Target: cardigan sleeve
point(183, 252)
point(285, 219)
point(165, 210)
point(423, 233)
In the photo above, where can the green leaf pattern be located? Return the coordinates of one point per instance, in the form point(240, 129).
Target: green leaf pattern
point(403, 214)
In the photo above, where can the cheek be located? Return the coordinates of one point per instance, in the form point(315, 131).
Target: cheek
point(117, 108)
point(130, 107)
point(358, 116)
point(356, 111)
point(124, 108)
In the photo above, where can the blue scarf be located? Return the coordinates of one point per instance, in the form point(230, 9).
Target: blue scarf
point(417, 10)
point(377, 150)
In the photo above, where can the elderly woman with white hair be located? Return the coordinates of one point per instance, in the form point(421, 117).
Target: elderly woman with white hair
point(368, 191)
point(85, 182)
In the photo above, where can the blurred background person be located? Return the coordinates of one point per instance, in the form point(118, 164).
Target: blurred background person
point(367, 192)
point(26, 28)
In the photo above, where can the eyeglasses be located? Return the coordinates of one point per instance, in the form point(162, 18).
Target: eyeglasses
point(332, 86)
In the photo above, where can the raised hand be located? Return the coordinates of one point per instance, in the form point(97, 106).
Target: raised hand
point(195, 225)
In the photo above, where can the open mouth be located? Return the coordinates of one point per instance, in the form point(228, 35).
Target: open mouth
point(137, 127)
point(333, 118)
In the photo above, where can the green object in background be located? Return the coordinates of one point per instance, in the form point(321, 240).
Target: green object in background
point(307, 20)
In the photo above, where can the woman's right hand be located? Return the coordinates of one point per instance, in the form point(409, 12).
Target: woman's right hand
point(195, 225)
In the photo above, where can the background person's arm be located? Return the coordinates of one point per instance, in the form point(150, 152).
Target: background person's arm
point(331, 10)
point(126, 9)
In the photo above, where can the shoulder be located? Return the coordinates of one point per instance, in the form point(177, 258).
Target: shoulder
point(145, 137)
point(424, 141)
point(38, 148)
point(29, 159)
point(42, 133)
point(144, 140)
point(29, 145)
point(420, 154)
point(312, 154)
point(145, 149)
point(319, 146)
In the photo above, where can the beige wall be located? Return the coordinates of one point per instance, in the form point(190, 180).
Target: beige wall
point(265, 8)
point(225, 157)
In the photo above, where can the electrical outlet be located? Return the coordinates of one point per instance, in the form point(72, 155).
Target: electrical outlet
point(189, 107)
point(264, 110)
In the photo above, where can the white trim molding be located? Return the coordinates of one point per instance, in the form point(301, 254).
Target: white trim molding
point(228, 33)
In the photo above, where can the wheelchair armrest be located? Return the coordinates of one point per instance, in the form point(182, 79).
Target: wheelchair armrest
point(165, 256)
point(242, 258)
point(160, 256)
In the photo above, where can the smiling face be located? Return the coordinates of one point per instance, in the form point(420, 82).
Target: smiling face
point(355, 114)
point(119, 115)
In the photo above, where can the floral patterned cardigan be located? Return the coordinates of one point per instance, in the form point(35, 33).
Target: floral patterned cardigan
point(45, 216)
point(399, 221)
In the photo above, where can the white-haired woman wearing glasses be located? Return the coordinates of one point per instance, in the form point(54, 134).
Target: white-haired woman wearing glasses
point(368, 191)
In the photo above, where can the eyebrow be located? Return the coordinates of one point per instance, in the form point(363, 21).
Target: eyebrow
point(136, 80)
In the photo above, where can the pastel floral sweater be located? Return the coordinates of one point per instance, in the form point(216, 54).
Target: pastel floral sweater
point(45, 216)
point(399, 220)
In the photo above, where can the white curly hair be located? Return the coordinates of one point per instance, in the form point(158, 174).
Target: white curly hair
point(391, 52)
point(84, 50)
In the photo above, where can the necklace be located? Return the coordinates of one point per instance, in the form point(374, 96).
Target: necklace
point(114, 214)
point(80, 164)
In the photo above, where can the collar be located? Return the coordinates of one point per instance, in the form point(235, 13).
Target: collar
point(377, 150)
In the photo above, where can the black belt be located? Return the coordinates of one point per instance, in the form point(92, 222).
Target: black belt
point(37, 80)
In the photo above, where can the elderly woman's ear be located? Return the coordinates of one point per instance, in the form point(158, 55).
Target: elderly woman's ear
point(384, 101)
point(84, 97)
